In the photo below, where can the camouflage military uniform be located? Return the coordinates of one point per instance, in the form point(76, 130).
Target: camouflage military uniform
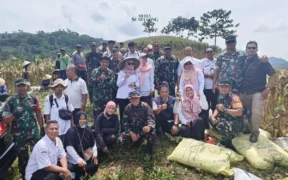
point(92, 62)
point(166, 70)
point(102, 89)
point(113, 65)
point(228, 125)
point(134, 119)
point(24, 129)
point(155, 56)
point(231, 67)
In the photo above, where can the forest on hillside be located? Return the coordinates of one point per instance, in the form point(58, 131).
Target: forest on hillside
point(26, 46)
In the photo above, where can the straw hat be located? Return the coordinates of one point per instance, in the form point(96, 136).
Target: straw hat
point(122, 63)
point(47, 77)
point(2, 81)
point(58, 82)
point(25, 63)
point(149, 46)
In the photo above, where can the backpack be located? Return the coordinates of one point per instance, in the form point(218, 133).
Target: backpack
point(51, 100)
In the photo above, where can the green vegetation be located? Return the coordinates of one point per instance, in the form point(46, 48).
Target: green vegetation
point(26, 46)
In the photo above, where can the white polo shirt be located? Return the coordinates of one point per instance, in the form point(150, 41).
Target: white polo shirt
point(64, 125)
point(75, 89)
point(44, 154)
point(208, 68)
point(129, 54)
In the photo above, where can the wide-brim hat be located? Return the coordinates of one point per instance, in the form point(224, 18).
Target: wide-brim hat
point(47, 77)
point(25, 63)
point(149, 46)
point(2, 81)
point(135, 60)
point(57, 82)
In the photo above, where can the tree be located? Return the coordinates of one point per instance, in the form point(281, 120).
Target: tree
point(216, 23)
point(149, 26)
point(180, 24)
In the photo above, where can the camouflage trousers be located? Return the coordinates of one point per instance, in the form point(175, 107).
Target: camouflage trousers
point(228, 129)
point(90, 93)
point(125, 138)
point(21, 147)
point(99, 107)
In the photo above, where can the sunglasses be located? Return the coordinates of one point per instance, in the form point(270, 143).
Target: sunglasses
point(209, 52)
point(134, 98)
point(230, 42)
point(251, 48)
point(130, 63)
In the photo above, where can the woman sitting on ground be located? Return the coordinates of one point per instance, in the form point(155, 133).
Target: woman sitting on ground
point(81, 148)
point(188, 111)
point(106, 127)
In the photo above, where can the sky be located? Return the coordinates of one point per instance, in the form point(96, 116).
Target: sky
point(260, 20)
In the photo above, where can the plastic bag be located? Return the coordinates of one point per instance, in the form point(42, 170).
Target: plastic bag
point(263, 154)
point(282, 142)
point(205, 156)
point(240, 174)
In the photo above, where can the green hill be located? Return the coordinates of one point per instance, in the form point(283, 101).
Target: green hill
point(278, 62)
point(177, 43)
point(45, 45)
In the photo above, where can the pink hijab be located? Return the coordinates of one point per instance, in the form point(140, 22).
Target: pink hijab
point(190, 76)
point(143, 70)
point(190, 106)
point(110, 103)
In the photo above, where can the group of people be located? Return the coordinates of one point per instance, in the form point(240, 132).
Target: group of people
point(230, 86)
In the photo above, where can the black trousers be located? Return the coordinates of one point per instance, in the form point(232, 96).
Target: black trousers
point(44, 175)
point(195, 131)
point(82, 74)
point(122, 104)
point(147, 99)
point(211, 98)
point(164, 125)
point(90, 168)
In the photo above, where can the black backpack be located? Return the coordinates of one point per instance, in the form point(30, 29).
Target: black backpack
point(51, 100)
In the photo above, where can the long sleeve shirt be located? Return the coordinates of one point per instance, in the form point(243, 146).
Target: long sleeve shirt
point(3, 90)
point(148, 84)
point(123, 84)
point(199, 87)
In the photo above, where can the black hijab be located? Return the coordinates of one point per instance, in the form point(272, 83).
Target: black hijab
point(76, 134)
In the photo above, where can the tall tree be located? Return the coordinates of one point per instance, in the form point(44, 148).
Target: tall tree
point(180, 24)
point(216, 23)
point(149, 26)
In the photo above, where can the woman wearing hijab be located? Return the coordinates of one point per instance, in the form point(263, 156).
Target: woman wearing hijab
point(146, 79)
point(188, 111)
point(127, 82)
point(81, 148)
point(106, 127)
point(191, 75)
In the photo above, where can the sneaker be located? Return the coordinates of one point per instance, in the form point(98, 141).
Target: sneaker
point(253, 138)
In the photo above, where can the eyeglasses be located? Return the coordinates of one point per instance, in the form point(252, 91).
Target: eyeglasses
point(251, 48)
point(209, 52)
point(230, 42)
point(130, 63)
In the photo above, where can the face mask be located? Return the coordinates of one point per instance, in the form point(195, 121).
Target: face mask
point(83, 126)
point(108, 115)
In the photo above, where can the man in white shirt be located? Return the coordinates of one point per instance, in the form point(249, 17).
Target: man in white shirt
point(188, 53)
point(45, 155)
point(132, 51)
point(76, 90)
point(208, 64)
point(111, 45)
point(55, 102)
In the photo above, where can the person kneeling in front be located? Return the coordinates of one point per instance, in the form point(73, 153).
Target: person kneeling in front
point(138, 123)
point(81, 148)
point(43, 160)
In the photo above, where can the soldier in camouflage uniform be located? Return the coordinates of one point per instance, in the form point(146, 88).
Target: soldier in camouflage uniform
point(23, 111)
point(92, 62)
point(114, 66)
point(103, 80)
point(227, 118)
point(156, 52)
point(166, 70)
point(138, 123)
